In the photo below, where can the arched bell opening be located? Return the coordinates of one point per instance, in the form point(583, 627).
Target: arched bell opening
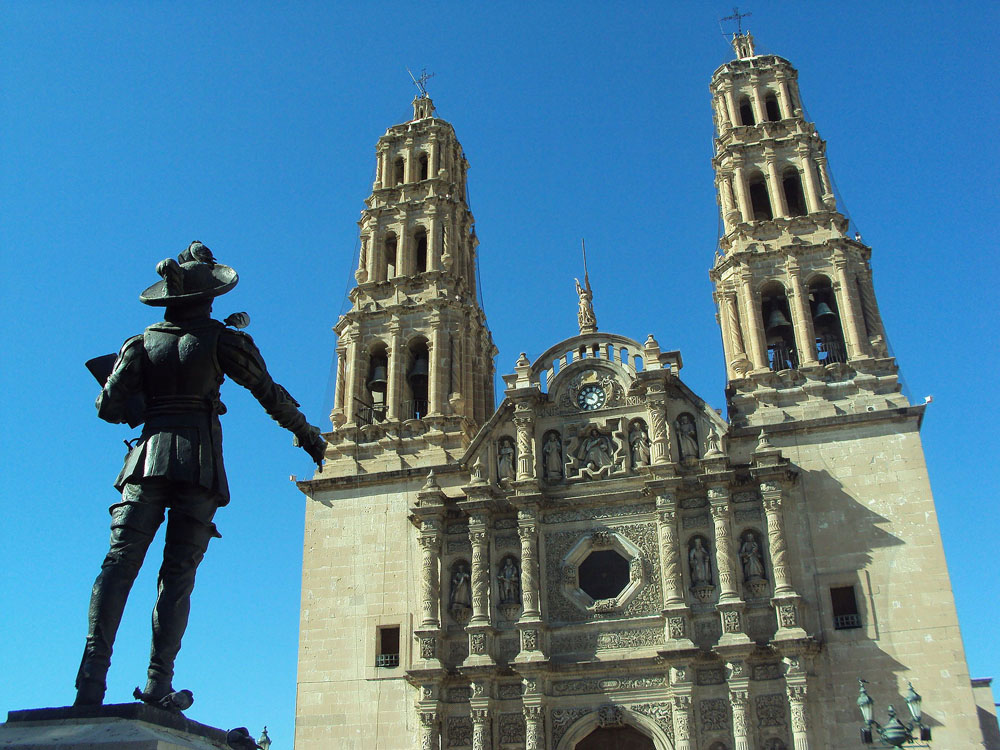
point(791, 185)
point(778, 331)
point(760, 201)
point(376, 384)
point(771, 107)
point(418, 364)
point(399, 171)
point(420, 250)
point(826, 322)
point(746, 112)
point(391, 261)
point(423, 166)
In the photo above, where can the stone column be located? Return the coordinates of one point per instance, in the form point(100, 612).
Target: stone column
point(436, 365)
point(829, 199)
point(534, 726)
point(479, 536)
point(812, 191)
point(525, 424)
point(799, 711)
point(739, 699)
point(430, 730)
point(353, 376)
point(738, 361)
point(670, 560)
point(742, 194)
point(481, 735)
point(731, 106)
point(394, 388)
point(682, 721)
point(338, 399)
point(754, 331)
point(847, 303)
point(659, 439)
point(527, 530)
point(869, 307)
point(785, 100)
point(760, 111)
point(805, 336)
point(429, 540)
point(724, 323)
point(777, 547)
point(725, 562)
point(778, 204)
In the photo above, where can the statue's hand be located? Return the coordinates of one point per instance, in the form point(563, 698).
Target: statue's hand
point(312, 442)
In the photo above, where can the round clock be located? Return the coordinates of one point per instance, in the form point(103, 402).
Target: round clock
point(591, 397)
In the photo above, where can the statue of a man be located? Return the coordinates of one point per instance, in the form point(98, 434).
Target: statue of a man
point(168, 379)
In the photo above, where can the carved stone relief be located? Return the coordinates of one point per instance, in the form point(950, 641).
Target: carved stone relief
point(563, 719)
point(594, 451)
point(591, 514)
point(661, 712)
point(770, 710)
point(714, 713)
point(552, 456)
point(459, 731)
point(511, 728)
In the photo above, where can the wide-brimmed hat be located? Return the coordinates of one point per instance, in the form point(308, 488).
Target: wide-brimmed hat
point(194, 277)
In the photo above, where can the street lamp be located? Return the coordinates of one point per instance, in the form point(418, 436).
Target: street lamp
point(895, 733)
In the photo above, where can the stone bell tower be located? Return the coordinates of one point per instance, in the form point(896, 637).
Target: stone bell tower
point(810, 379)
point(801, 327)
point(414, 358)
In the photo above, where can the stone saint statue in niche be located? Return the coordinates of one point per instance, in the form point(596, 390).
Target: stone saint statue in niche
point(509, 580)
point(750, 556)
point(460, 599)
point(700, 563)
point(505, 459)
point(638, 441)
point(595, 450)
point(552, 464)
point(687, 436)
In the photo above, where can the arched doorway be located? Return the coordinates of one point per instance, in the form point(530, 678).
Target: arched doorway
point(615, 738)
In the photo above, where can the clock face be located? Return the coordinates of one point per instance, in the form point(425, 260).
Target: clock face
point(591, 397)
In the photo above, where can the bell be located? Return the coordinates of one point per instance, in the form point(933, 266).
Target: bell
point(824, 315)
point(777, 321)
point(419, 371)
point(377, 382)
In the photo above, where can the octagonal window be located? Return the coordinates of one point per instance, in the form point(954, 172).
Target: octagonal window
point(603, 574)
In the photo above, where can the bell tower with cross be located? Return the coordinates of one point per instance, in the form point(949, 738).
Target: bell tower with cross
point(414, 355)
point(800, 323)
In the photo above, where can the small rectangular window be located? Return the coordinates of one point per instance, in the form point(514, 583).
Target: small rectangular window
point(388, 647)
point(845, 608)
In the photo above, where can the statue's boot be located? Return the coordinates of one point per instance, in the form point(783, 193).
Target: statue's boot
point(132, 529)
point(187, 540)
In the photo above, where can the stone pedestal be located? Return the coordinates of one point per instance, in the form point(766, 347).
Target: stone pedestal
point(120, 726)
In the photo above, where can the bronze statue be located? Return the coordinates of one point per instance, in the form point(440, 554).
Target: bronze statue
point(167, 378)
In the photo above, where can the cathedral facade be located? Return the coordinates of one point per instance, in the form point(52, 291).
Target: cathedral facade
point(601, 560)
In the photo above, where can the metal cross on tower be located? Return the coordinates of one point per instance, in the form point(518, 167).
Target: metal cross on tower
point(421, 81)
point(738, 17)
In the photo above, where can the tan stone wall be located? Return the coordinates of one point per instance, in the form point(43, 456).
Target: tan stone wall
point(862, 514)
point(358, 573)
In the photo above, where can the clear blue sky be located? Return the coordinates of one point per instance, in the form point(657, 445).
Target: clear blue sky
point(129, 129)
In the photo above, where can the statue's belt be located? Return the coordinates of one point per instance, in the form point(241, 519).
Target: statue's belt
point(175, 406)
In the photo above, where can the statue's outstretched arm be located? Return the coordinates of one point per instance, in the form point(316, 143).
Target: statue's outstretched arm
point(242, 361)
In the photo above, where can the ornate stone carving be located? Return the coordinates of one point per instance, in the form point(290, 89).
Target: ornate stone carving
point(587, 642)
point(509, 691)
point(731, 621)
point(714, 713)
point(699, 562)
point(787, 615)
point(428, 647)
point(711, 676)
point(529, 639)
point(506, 541)
point(509, 583)
point(459, 731)
point(660, 712)
point(477, 643)
point(767, 671)
point(563, 719)
point(593, 514)
point(675, 627)
point(770, 710)
point(689, 503)
point(698, 521)
point(682, 716)
point(534, 717)
point(511, 728)
point(459, 694)
point(609, 715)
